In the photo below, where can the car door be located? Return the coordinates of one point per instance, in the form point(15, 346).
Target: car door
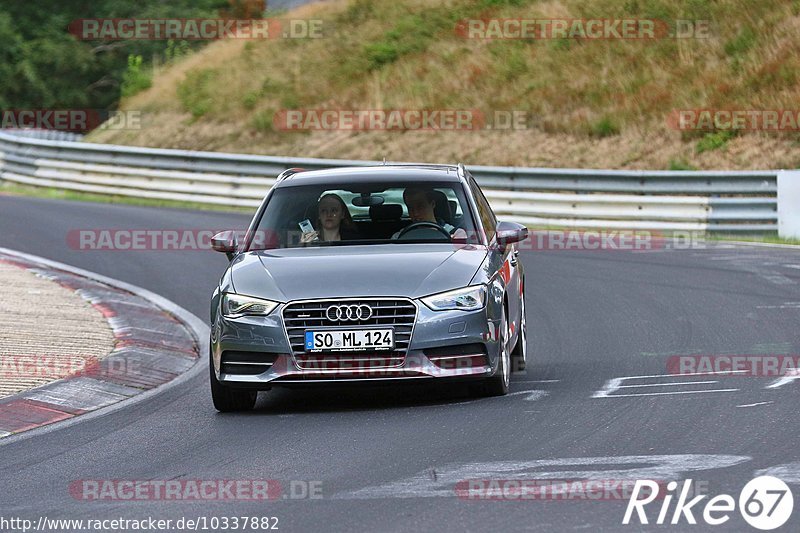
point(506, 257)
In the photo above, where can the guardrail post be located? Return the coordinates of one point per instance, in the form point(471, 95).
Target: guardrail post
point(789, 204)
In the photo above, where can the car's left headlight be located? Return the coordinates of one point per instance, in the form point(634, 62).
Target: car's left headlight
point(467, 299)
point(236, 305)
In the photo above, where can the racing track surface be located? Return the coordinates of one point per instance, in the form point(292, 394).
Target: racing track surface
point(388, 459)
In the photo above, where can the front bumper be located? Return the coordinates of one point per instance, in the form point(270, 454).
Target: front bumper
point(254, 352)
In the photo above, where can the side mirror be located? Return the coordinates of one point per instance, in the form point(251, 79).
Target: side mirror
point(508, 232)
point(225, 242)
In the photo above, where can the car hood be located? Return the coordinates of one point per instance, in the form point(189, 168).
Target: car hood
point(411, 270)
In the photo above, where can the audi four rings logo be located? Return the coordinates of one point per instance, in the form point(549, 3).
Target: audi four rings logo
point(341, 313)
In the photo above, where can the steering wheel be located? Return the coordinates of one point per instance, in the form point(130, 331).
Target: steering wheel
point(420, 225)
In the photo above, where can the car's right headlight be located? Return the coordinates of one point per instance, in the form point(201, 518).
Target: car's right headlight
point(467, 299)
point(237, 305)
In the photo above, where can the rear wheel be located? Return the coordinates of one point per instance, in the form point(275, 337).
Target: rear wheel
point(226, 399)
point(498, 384)
point(520, 351)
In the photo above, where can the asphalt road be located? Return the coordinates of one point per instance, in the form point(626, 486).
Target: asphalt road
point(388, 459)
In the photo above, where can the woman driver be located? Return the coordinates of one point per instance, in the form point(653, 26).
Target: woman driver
point(334, 222)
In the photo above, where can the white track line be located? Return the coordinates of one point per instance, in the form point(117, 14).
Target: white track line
point(755, 404)
point(664, 384)
point(666, 393)
point(687, 374)
point(780, 382)
point(532, 395)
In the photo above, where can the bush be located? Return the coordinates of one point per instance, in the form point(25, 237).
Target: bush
point(194, 92)
point(713, 141)
point(380, 54)
point(250, 99)
point(743, 42)
point(134, 79)
point(680, 164)
point(176, 50)
point(410, 34)
point(605, 127)
point(263, 121)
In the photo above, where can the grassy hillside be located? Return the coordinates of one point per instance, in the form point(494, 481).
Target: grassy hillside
point(594, 103)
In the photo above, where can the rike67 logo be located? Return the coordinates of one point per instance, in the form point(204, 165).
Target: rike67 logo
point(765, 503)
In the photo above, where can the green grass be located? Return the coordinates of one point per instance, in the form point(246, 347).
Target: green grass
point(714, 141)
point(263, 120)
point(680, 164)
point(135, 79)
point(14, 189)
point(742, 43)
point(605, 127)
point(195, 93)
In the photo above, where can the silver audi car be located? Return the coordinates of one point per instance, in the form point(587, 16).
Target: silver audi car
point(368, 274)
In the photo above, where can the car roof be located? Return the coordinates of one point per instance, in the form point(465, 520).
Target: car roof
point(373, 174)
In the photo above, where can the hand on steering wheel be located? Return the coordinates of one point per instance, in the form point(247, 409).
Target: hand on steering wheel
point(429, 225)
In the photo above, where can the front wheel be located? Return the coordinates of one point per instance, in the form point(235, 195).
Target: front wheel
point(226, 399)
point(520, 351)
point(498, 384)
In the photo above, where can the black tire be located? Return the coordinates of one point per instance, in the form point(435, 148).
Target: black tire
point(228, 400)
point(519, 354)
point(498, 384)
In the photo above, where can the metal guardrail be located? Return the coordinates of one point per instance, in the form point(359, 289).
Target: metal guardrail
point(52, 135)
point(715, 201)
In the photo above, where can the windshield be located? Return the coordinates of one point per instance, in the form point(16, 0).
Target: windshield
point(378, 213)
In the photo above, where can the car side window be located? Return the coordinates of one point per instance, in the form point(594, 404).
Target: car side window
point(485, 212)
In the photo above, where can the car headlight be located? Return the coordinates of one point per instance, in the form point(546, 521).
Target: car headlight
point(236, 305)
point(466, 299)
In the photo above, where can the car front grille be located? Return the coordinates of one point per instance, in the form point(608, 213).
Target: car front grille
point(399, 313)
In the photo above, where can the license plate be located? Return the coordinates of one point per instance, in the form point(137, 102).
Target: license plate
point(349, 340)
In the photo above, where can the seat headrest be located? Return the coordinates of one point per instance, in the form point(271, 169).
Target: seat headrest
point(442, 207)
point(386, 212)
